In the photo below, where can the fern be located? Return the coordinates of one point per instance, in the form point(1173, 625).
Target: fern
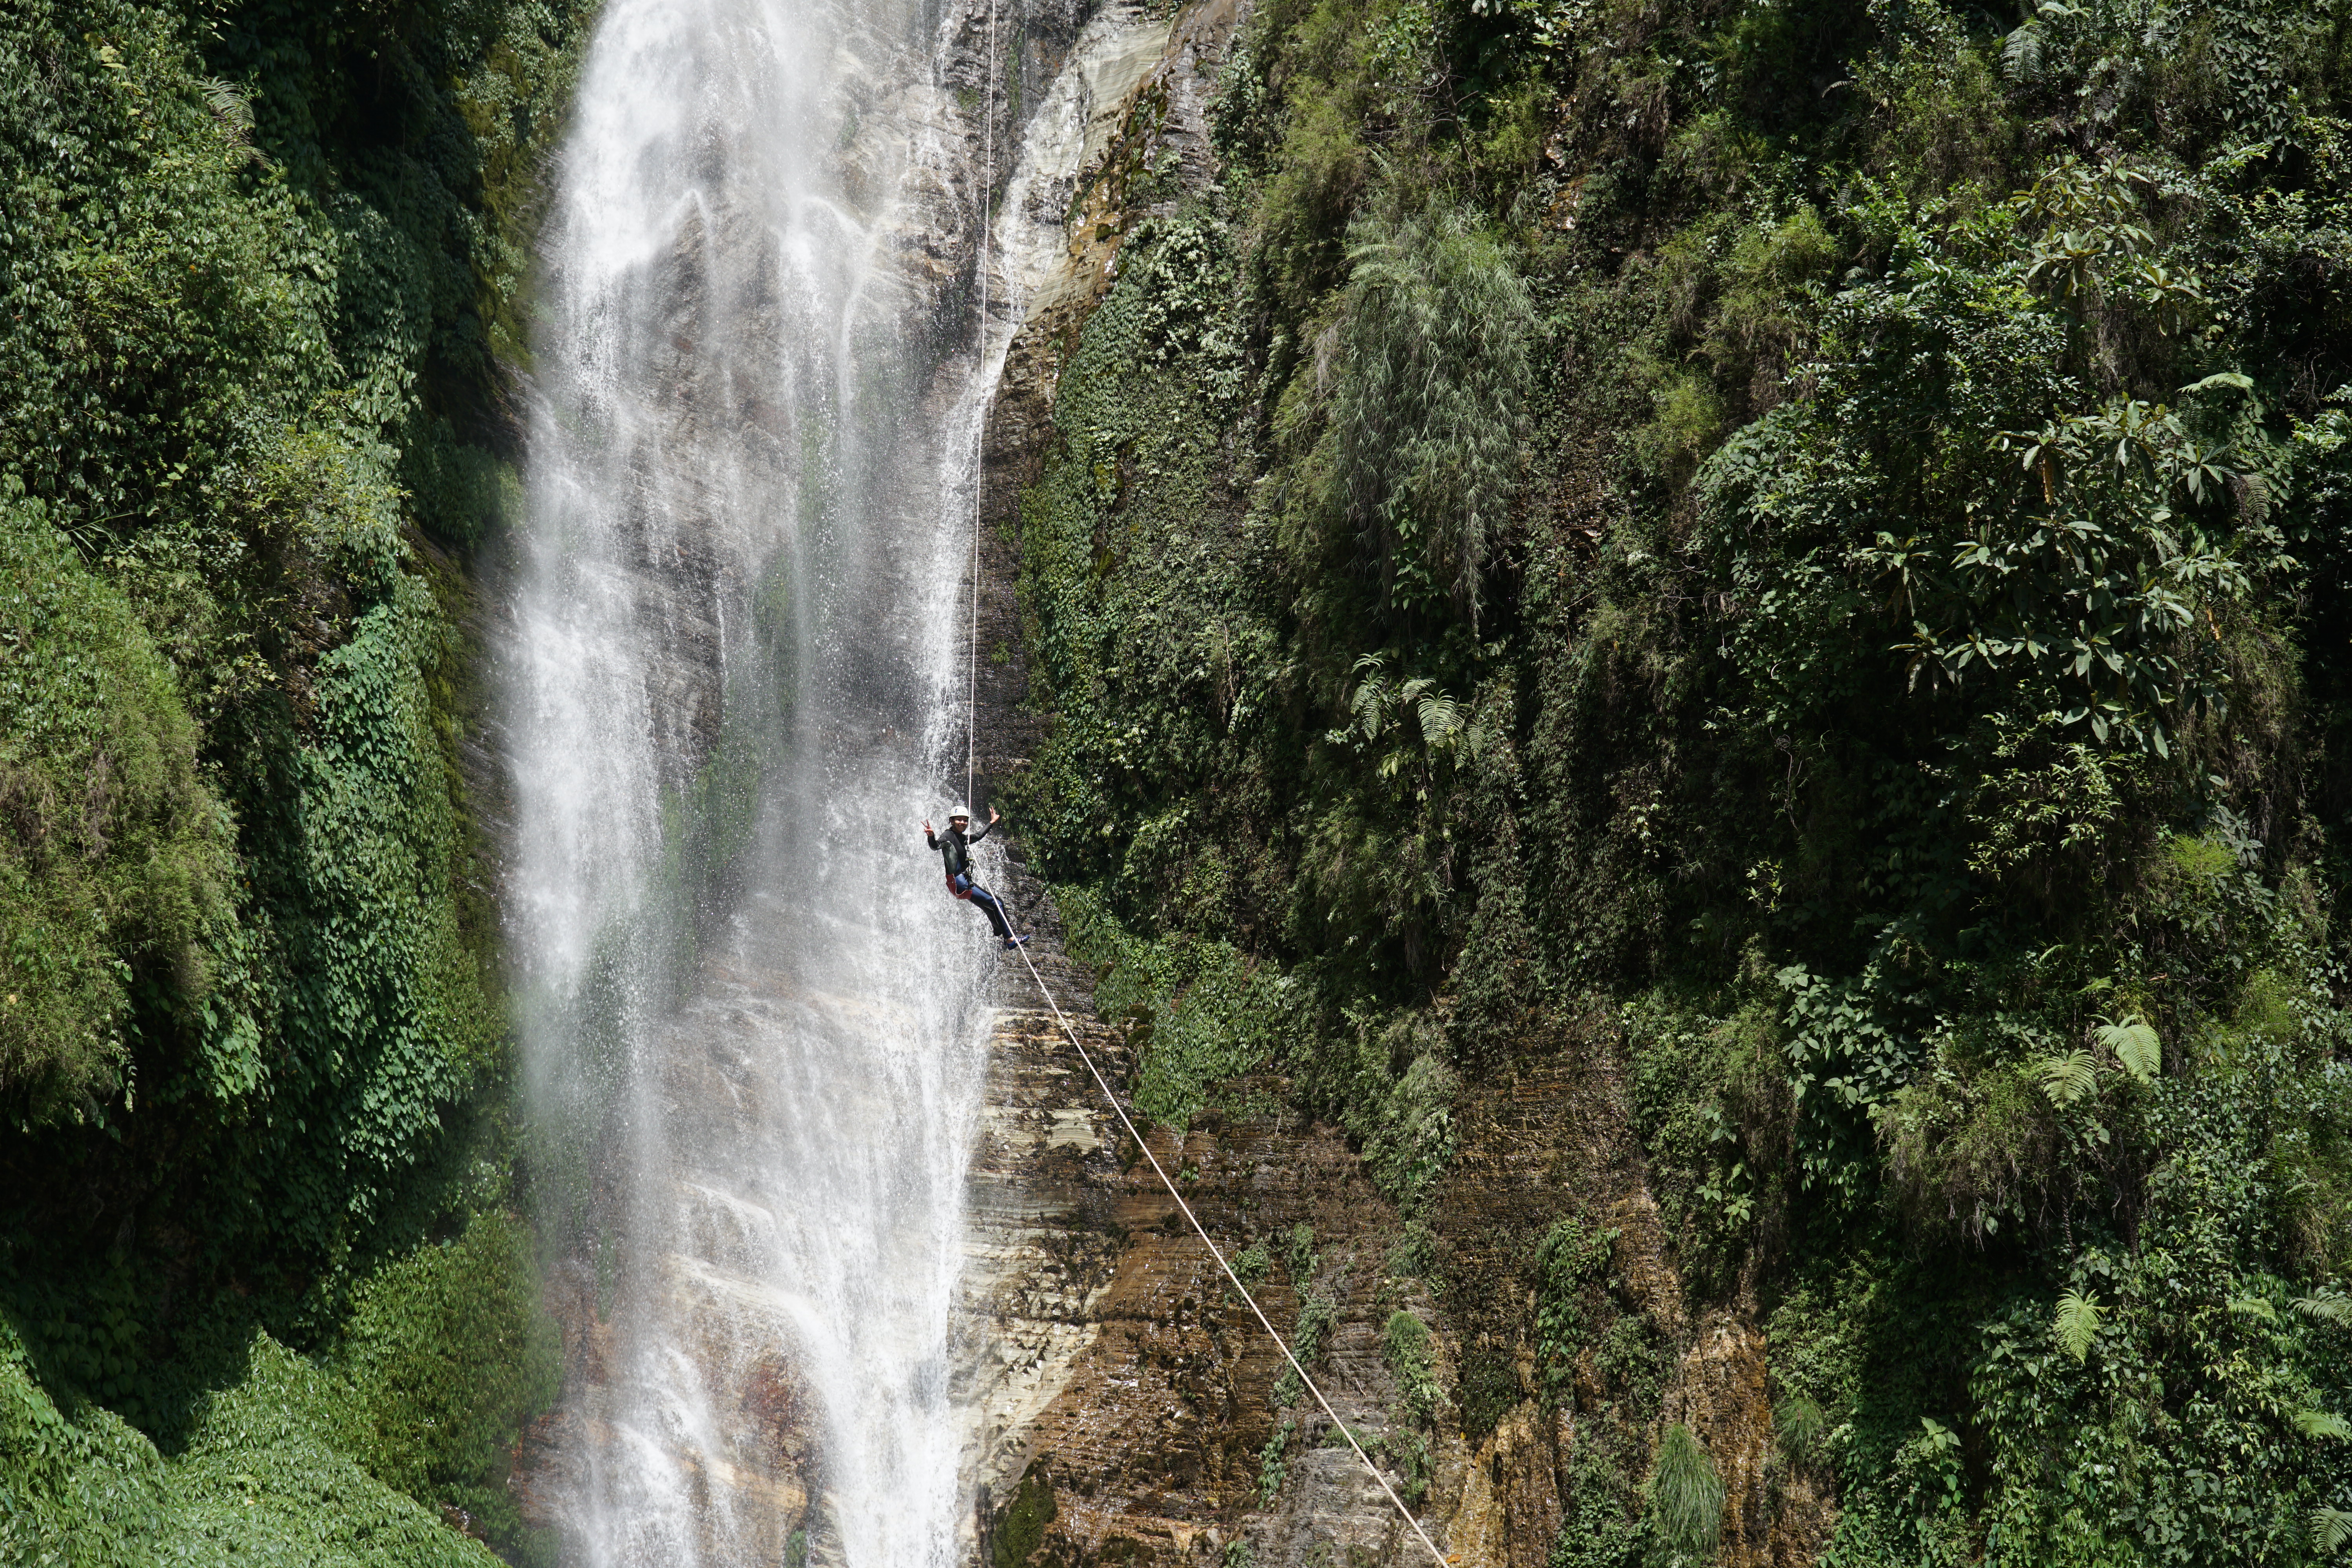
point(2068, 1079)
point(232, 112)
point(228, 106)
point(1434, 383)
point(2077, 1322)
point(2322, 1424)
point(2253, 1307)
point(2330, 1529)
point(1379, 707)
point(1441, 719)
point(2135, 1047)
point(2325, 1309)
point(2021, 54)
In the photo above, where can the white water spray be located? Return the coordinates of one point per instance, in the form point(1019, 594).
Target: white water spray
point(755, 1027)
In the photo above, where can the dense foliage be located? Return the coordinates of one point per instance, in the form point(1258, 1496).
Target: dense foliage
point(260, 262)
point(1793, 552)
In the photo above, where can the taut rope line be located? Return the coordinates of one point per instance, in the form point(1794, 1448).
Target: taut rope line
point(972, 733)
point(980, 420)
point(1157, 1170)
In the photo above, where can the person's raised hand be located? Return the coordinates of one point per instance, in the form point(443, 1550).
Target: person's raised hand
point(927, 828)
point(992, 816)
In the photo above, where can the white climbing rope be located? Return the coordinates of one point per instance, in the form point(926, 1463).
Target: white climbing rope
point(972, 731)
point(980, 420)
point(1157, 1170)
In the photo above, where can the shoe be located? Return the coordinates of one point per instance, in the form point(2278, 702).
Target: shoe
point(1012, 942)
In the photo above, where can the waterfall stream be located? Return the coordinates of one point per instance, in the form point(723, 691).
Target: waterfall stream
point(755, 1029)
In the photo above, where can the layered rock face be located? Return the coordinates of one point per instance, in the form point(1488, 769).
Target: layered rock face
point(1129, 1394)
point(1130, 1398)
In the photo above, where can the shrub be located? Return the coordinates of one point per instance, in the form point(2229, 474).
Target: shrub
point(1685, 1500)
point(1411, 1356)
point(1317, 1316)
point(114, 852)
point(1568, 1259)
point(1433, 380)
point(448, 1352)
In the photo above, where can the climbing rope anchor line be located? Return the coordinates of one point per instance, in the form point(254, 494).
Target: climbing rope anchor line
point(1215, 1251)
point(979, 412)
point(972, 744)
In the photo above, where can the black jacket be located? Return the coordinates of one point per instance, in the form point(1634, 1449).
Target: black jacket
point(956, 847)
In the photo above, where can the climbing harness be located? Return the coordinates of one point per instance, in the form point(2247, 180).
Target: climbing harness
point(971, 728)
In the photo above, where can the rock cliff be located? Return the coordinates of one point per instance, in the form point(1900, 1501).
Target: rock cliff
point(1131, 1405)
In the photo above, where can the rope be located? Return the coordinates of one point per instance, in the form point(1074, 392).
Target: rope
point(979, 421)
point(1100, 1082)
point(972, 731)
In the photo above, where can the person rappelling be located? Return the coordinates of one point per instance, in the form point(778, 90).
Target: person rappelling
point(955, 848)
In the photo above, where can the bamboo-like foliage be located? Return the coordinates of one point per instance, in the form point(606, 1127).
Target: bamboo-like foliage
point(1800, 1423)
point(1431, 405)
point(1686, 1497)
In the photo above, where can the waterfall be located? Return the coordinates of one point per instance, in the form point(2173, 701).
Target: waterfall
point(754, 1027)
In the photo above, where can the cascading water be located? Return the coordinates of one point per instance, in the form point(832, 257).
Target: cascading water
point(754, 1026)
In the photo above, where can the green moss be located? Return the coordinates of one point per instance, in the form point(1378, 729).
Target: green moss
point(1020, 1527)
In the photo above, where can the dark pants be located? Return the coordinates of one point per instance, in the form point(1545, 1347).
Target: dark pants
point(964, 888)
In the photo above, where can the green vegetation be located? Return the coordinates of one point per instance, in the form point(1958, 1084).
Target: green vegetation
point(1318, 1314)
point(1568, 1261)
point(278, 1464)
point(1793, 552)
point(1685, 1500)
point(1406, 1347)
point(258, 1287)
point(1023, 1527)
point(1274, 1461)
